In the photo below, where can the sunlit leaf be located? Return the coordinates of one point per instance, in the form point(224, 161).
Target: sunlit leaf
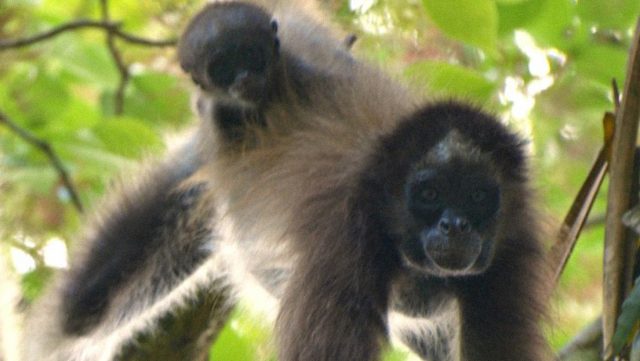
point(615, 14)
point(75, 117)
point(89, 62)
point(127, 137)
point(554, 24)
point(515, 14)
point(448, 80)
point(157, 98)
point(602, 63)
point(33, 282)
point(474, 22)
point(40, 179)
point(241, 338)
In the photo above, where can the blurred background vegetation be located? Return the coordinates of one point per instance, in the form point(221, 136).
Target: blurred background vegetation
point(545, 66)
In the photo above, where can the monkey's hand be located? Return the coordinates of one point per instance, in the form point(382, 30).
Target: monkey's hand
point(232, 50)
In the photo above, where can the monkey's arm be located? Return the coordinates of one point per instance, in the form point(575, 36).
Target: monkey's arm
point(322, 319)
point(501, 313)
point(335, 306)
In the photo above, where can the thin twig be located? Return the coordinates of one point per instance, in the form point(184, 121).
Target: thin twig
point(32, 252)
point(616, 94)
point(51, 155)
point(84, 24)
point(133, 39)
point(123, 69)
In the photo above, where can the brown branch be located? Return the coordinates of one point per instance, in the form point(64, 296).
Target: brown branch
point(577, 216)
point(616, 94)
point(51, 155)
point(122, 67)
point(133, 39)
point(619, 200)
point(84, 24)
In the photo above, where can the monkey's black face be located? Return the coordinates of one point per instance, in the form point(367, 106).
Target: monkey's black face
point(451, 210)
point(241, 66)
point(231, 51)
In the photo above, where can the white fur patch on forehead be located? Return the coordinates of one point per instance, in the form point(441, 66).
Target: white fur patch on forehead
point(454, 145)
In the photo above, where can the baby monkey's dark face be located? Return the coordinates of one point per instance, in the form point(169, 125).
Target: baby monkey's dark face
point(231, 50)
point(449, 224)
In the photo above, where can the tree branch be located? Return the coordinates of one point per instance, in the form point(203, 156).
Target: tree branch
point(122, 67)
point(112, 27)
point(617, 263)
point(51, 155)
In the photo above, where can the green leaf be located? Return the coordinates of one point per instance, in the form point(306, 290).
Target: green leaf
point(244, 337)
point(156, 98)
point(89, 62)
point(601, 63)
point(77, 116)
point(39, 179)
point(474, 22)
point(46, 97)
point(127, 137)
point(34, 281)
point(616, 14)
point(448, 80)
point(91, 156)
point(517, 14)
point(553, 26)
point(394, 354)
point(629, 317)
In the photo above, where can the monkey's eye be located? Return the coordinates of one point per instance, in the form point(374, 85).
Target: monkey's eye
point(479, 195)
point(428, 195)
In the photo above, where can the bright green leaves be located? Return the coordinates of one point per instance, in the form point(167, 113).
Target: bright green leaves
point(448, 80)
point(474, 22)
point(128, 137)
point(614, 14)
point(628, 319)
point(243, 338)
point(157, 98)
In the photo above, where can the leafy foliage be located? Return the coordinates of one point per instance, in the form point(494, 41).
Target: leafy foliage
point(628, 319)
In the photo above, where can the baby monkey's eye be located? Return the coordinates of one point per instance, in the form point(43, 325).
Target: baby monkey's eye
point(429, 194)
point(479, 195)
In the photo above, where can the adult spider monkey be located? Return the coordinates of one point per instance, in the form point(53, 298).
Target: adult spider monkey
point(309, 162)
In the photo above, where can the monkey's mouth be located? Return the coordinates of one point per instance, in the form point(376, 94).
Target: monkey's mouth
point(450, 256)
point(453, 260)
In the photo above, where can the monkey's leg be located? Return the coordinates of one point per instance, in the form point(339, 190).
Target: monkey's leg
point(155, 219)
point(143, 279)
point(502, 310)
